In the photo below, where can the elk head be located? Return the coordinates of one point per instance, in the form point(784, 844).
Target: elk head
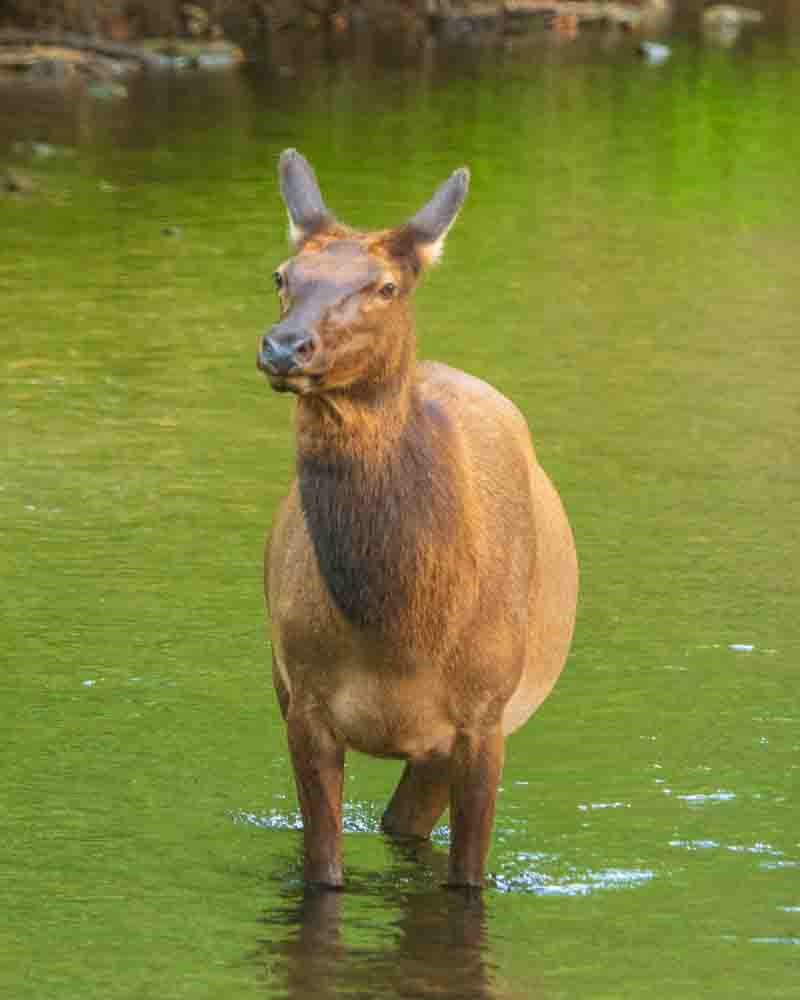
point(345, 323)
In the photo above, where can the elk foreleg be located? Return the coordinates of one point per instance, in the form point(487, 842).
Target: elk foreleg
point(477, 764)
point(419, 799)
point(318, 761)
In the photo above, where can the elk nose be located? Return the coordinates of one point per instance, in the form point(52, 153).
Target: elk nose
point(282, 353)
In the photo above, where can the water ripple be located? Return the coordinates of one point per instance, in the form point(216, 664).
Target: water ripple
point(701, 799)
point(358, 817)
point(361, 817)
point(705, 845)
point(574, 883)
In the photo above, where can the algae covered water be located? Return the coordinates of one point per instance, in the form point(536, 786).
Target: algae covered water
point(625, 270)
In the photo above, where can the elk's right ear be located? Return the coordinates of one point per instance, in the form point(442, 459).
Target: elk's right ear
point(301, 195)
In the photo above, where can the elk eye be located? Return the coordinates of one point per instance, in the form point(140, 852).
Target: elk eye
point(277, 277)
point(388, 290)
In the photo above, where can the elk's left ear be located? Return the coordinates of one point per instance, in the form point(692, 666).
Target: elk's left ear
point(428, 229)
point(302, 197)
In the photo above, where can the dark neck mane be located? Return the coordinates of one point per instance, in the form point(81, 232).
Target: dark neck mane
point(382, 514)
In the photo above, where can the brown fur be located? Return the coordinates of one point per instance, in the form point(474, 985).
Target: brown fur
point(421, 575)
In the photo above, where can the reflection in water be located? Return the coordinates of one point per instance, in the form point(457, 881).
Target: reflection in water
point(308, 959)
point(433, 944)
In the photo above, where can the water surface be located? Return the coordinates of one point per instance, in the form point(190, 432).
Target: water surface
point(625, 269)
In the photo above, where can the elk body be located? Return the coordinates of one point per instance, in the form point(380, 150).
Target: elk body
point(421, 575)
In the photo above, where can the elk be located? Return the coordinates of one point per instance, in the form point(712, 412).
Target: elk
point(420, 576)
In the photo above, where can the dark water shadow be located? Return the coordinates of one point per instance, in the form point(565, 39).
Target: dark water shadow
point(390, 934)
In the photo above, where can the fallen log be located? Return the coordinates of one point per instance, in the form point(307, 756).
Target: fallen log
point(84, 43)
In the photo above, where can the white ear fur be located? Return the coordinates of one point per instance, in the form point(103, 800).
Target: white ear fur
point(432, 223)
point(431, 253)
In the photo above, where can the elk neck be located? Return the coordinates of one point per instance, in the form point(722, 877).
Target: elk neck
point(381, 492)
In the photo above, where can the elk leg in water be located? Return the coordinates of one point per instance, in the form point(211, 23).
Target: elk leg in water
point(477, 764)
point(419, 799)
point(318, 761)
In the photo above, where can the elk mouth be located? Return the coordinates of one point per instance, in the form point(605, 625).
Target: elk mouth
point(281, 384)
point(299, 382)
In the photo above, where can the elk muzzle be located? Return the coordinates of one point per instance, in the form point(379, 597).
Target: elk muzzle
point(285, 353)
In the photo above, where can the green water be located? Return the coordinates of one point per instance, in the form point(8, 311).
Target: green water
point(626, 270)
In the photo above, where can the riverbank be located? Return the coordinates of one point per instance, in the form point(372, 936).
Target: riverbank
point(101, 49)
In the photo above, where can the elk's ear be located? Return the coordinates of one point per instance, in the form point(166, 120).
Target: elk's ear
point(301, 195)
point(428, 229)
